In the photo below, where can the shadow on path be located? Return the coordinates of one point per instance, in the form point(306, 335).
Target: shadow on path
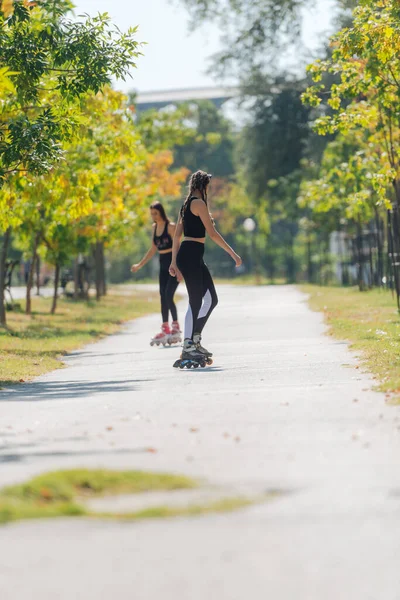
point(18, 458)
point(59, 390)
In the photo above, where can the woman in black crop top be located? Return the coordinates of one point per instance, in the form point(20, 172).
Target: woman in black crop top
point(187, 259)
point(163, 231)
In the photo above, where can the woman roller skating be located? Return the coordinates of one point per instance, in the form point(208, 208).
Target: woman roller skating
point(163, 230)
point(187, 260)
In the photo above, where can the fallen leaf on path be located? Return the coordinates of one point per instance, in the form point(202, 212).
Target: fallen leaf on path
point(227, 435)
point(109, 428)
point(193, 429)
point(237, 439)
point(151, 450)
point(355, 399)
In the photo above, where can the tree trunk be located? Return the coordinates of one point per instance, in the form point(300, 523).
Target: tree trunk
point(310, 272)
point(395, 232)
point(359, 247)
point(55, 294)
point(3, 259)
point(271, 268)
point(103, 270)
point(76, 279)
point(97, 269)
point(290, 266)
point(37, 275)
point(379, 246)
point(29, 285)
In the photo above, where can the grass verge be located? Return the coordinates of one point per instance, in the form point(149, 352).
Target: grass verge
point(250, 280)
point(371, 323)
point(62, 493)
point(57, 493)
point(32, 345)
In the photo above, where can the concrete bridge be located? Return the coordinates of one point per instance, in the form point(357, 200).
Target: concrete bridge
point(160, 99)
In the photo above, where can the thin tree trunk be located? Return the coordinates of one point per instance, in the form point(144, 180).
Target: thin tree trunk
point(379, 245)
point(103, 270)
point(359, 246)
point(76, 279)
point(86, 278)
point(29, 285)
point(3, 259)
point(37, 275)
point(56, 284)
point(371, 262)
point(97, 269)
point(309, 261)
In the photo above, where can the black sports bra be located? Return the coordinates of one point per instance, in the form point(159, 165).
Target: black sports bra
point(163, 241)
point(192, 224)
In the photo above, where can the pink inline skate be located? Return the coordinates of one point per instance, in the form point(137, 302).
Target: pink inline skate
point(175, 335)
point(163, 337)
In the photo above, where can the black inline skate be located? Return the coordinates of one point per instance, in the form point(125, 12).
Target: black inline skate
point(199, 347)
point(191, 357)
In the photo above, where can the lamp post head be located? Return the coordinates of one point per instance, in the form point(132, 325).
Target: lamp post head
point(249, 225)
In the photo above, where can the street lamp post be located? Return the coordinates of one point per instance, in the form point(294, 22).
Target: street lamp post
point(249, 225)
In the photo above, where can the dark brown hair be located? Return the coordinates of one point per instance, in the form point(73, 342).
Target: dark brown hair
point(158, 206)
point(198, 181)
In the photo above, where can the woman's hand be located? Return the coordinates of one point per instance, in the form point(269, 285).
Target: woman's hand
point(237, 259)
point(135, 268)
point(175, 272)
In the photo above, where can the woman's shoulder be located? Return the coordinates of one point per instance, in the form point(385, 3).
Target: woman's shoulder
point(197, 204)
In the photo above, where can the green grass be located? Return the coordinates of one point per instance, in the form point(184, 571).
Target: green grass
point(32, 345)
point(250, 280)
point(63, 494)
point(371, 323)
point(60, 493)
point(163, 512)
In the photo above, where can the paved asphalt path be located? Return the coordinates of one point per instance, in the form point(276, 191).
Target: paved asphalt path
point(309, 425)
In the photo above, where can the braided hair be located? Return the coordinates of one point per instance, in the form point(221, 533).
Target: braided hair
point(198, 181)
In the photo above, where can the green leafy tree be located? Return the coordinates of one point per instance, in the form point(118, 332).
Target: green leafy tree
point(49, 63)
point(272, 147)
point(365, 97)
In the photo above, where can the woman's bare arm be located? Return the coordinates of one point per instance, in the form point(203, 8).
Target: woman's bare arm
point(200, 209)
point(148, 256)
point(173, 269)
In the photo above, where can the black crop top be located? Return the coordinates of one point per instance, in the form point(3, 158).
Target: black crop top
point(192, 224)
point(163, 241)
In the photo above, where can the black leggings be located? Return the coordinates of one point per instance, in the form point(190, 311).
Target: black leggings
point(200, 286)
point(168, 287)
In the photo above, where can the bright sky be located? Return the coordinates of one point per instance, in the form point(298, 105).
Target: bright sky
point(174, 58)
